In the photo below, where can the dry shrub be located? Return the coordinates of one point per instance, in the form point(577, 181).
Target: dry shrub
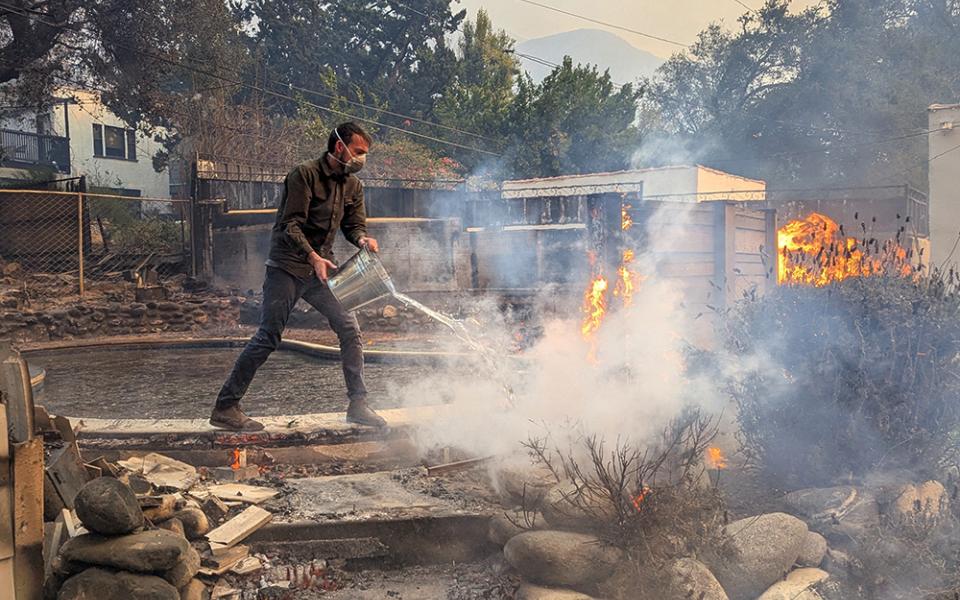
point(856, 376)
point(654, 501)
point(913, 559)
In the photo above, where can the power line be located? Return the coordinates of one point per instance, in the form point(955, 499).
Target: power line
point(447, 142)
point(536, 59)
point(744, 4)
point(827, 150)
point(922, 163)
point(547, 63)
point(274, 93)
point(605, 24)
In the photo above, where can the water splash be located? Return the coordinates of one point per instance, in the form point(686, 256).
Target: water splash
point(490, 356)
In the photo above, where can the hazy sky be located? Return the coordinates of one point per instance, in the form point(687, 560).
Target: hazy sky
point(679, 20)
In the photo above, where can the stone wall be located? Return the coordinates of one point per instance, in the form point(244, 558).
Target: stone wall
point(102, 319)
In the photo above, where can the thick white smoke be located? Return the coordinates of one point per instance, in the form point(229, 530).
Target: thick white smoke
point(636, 384)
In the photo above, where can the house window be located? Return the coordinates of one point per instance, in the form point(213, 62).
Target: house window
point(114, 142)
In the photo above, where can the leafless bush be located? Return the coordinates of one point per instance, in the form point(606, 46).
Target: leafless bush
point(858, 376)
point(913, 559)
point(655, 501)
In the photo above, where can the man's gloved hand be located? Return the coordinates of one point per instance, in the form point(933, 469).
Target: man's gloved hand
point(369, 243)
point(321, 266)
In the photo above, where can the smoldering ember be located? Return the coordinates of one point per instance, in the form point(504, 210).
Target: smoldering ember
point(479, 300)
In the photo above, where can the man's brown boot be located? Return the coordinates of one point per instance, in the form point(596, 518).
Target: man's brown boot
point(359, 412)
point(233, 418)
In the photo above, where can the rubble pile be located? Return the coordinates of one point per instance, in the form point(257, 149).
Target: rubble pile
point(148, 527)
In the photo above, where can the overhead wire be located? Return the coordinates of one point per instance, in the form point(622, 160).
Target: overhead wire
point(280, 95)
point(530, 57)
point(605, 23)
point(276, 94)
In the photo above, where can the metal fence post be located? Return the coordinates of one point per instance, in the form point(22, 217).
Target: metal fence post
point(80, 239)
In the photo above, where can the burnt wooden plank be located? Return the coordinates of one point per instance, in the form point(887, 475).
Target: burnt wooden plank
point(28, 518)
point(17, 395)
point(6, 491)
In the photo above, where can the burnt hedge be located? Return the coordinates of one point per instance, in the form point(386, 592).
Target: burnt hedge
point(840, 380)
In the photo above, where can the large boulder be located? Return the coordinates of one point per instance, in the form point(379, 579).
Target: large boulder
point(528, 591)
point(757, 551)
point(837, 512)
point(685, 578)
point(144, 552)
point(523, 485)
point(690, 578)
point(560, 558)
point(565, 507)
point(100, 584)
point(797, 586)
point(107, 506)
point(924, 502)
point(185, 570)
point(813, 551)
point(505, 525)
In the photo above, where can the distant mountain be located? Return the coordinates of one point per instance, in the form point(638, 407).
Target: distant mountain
point(626, 62)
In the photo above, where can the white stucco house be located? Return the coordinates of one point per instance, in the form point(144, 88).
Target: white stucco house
point(78, 136)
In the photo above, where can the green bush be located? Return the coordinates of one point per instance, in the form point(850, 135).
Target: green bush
point(841, 380)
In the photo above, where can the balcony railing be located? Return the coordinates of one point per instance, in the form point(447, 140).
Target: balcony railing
point(20, 148)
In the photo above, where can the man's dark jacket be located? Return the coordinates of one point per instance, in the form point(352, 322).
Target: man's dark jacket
point(316, 202)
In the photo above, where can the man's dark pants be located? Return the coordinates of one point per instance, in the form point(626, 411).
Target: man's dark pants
point(281, 290)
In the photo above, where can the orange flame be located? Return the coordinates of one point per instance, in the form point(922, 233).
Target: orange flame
point(236, 459)
point(628, 280)
point(626, 221)
point(812, 251)
point(594, 309)
point(594, 306)
point(639, 498)
point(716, 459)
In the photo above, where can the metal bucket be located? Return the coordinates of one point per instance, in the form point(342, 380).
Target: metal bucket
point(360, 281)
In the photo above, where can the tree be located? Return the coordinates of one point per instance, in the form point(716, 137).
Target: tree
point(133, 51)
point(575, 121)
point(711, 99)
point(478, 99)
point(834, 95)
point(396, 54)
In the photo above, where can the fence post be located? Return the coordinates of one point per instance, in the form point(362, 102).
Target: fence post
point(80, 238)
point(194, 217)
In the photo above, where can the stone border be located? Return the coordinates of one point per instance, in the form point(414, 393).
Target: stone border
point(458, 536)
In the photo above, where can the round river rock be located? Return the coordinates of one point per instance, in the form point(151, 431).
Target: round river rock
point(758, 551)
point(107, 506)
point(560, 558)
point(104, 585)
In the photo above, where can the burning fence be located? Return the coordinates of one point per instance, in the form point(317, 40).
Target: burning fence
point(816, 251)
point(595, 299)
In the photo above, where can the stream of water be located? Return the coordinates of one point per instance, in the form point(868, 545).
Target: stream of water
point(460, 331)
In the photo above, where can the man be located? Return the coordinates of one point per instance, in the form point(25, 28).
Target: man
point(319, 197)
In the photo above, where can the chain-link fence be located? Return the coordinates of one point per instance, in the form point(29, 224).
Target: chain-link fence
point(76, 240)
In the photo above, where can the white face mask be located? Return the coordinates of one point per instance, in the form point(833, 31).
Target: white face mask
point(355, 163)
